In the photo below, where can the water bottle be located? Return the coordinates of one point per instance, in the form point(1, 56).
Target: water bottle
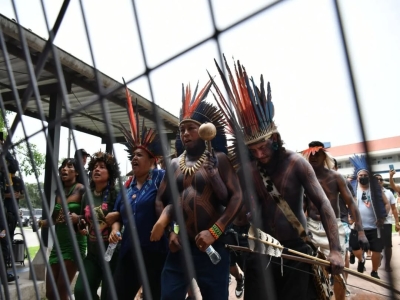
point(214, 255)
point(111, 248)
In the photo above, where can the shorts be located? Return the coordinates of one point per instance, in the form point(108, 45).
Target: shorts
point(375, 243)
point(320, 239)
point(386, 235)
point(347, 231)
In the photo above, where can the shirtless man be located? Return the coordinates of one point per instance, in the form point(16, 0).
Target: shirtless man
point(332, 183)
point(273, 168)
point(210, 196)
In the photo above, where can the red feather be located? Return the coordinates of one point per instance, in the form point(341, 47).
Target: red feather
point(131, 113)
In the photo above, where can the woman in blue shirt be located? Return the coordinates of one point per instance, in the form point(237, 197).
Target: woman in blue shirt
point(143, 149)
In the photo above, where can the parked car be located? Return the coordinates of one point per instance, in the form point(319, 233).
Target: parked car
point(36, 217)
point(24, 216)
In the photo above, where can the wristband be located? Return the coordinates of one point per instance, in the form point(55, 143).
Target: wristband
point(215, 231)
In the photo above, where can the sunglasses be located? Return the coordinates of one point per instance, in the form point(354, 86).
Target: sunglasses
point(364, 196)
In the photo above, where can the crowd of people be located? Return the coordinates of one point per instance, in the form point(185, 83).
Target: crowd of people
point(298, 198)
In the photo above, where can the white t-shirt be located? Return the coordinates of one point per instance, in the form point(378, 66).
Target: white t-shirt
point(366, 212)
point(389, 195)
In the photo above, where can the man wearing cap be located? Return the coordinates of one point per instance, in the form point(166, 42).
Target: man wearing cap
point(84, 156)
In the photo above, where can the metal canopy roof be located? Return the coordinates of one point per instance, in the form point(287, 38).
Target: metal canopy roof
point(81, 84)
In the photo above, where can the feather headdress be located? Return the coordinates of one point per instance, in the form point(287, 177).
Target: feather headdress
point(253, 110)
point(197, 110)
point(146, 139)
point(248, 110)
point(314, 147)
point(360, 163)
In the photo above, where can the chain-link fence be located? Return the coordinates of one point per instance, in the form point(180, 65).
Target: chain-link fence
point(53, 102)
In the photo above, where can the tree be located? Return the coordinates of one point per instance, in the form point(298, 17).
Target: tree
point(21, 149)
point(25, 164)
point(33, 190)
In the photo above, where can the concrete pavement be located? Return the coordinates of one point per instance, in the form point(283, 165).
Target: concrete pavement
point(359, 288)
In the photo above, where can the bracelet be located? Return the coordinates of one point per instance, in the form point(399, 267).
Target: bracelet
point(215, 231)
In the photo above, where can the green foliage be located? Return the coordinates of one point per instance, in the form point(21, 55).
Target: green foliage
point(3, 122)
point(24, 160)
point(34, 195)
point(23, 157)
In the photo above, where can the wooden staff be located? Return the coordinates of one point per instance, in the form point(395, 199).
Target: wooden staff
point(315, 260)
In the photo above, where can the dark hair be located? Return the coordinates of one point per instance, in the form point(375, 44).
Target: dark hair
point(12, 163)
point(377, 174)
point(316, 144)
point(111, 165)
point(73, 161)
point(335, 162)
point(279, 152)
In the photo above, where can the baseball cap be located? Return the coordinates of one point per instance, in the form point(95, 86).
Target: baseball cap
point(82, 151)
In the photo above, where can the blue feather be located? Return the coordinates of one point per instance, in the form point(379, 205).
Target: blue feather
point(270, 105)
point(262, 119)
point(255, 105)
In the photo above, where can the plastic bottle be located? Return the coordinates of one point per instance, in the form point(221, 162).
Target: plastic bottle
point(214, 255)
point(110, 250)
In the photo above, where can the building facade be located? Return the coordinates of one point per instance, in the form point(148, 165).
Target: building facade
point(383, 152)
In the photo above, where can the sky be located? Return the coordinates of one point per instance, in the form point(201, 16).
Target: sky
point(295, 45)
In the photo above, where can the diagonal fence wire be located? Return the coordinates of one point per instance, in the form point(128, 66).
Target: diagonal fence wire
point(101, 96)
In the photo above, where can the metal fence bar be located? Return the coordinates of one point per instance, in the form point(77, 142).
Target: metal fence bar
point(356, 100)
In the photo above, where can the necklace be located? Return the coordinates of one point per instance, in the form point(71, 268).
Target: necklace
point(186, 170)
point(96, 193)
point(70, 191)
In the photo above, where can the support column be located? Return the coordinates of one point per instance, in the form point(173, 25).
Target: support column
point(109, 147)
point(52, 154)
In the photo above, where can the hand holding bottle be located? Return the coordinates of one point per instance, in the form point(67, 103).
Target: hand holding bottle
point(115, 236)
point(204, 239)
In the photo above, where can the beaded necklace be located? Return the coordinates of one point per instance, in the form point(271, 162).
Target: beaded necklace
point(186, 170)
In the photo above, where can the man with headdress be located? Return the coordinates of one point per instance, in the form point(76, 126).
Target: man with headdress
point(373, 207)
point(333, 183)
point(210, 197)
point(280, 177)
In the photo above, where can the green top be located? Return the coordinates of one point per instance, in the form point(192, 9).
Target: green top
point(67, 251)
point(101, 210)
